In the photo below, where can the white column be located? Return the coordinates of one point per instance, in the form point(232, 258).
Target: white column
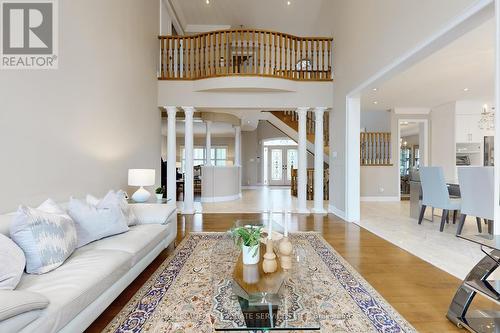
point(302, 165)
point(496, 228)
point(189, 175)
point(171, 154)
point(237, 145)
point(208, 143)
point(318, 160)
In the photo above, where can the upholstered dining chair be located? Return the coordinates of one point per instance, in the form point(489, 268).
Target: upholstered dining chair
point(477, 191)
point(436, 195)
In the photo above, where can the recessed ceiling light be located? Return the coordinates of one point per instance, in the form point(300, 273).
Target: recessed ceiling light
point(374, 89)
point(466, 89)
point(207, 2)
point(375, 102)
point(288, 3)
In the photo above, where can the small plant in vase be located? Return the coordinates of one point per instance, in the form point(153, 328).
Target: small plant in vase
point(159, 193)
point(248, 238)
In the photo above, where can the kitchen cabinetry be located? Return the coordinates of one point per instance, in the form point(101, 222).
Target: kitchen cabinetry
point(467, 128)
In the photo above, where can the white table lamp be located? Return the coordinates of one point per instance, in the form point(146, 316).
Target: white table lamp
point(141, 177)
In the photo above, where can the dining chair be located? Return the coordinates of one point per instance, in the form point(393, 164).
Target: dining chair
point(436, 195)
point(477, 192)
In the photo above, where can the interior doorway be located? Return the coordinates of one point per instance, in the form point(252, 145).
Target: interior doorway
point(412, 152)
point(280, 157)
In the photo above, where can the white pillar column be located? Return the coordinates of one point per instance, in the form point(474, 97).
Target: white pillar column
point(496, 226)
point(171, 154)
point(237, 145)
point(208, 143)
point(318, 160)
point(189, 175)
point(302, 165)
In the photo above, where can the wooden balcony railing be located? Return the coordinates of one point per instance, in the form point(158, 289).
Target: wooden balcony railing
point(375, 149)
point(245, 53)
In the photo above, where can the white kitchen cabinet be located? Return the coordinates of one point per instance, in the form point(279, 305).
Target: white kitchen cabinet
point(467, 128)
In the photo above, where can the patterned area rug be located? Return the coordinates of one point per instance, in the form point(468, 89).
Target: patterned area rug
point(184, 294)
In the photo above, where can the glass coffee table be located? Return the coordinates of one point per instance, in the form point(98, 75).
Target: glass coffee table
point(478, 282)
point(247, 299)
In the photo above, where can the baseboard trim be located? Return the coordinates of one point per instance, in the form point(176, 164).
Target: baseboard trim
point(380, 199)
point(337, 212)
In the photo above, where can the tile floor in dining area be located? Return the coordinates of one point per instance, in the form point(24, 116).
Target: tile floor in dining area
point(389, 220)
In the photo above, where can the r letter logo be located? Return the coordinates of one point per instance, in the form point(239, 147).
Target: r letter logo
point(29, 34)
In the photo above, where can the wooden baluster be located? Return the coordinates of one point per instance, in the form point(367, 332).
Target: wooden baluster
point(221, 42)
point(329, 59)
point(269, 59)
point(361, 147)
point(280, 56)
point(210, 46)
point(259, 36)
point(162, 56)
point(167, 56)
point(230, 52)
point(275, 45)
point(247, 53)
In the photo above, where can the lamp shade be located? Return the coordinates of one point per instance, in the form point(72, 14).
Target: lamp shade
point(141, 177)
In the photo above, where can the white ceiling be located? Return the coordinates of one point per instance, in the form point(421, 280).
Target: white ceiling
point(301, 17)
point(468, 62)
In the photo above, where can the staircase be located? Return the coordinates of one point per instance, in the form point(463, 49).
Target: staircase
point(290, 119)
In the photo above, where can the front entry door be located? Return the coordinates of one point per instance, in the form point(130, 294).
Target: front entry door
point(281, 161)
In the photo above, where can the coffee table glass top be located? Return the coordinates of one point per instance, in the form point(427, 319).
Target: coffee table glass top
point(248, 299)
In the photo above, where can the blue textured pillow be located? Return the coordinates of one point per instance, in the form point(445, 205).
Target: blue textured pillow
point(96, 222)
point(47, 239)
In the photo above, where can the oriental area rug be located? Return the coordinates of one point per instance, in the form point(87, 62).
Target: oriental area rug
point(192, 292)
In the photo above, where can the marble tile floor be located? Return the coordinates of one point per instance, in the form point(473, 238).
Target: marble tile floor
point(389, 220)
point(254, 200)
point(392, 221)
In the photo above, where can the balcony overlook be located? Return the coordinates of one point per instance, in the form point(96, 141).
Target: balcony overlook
point(257, 53)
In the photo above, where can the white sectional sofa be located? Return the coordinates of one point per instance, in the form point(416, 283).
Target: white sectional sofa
point(92, 277)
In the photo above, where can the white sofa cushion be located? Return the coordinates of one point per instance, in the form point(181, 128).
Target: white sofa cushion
point(17, 323)
point(15, 302)
point(153, 213)
point(139, 241)
point(76, 284)
point(12, 262)
point(96, 222)
point(47, 239)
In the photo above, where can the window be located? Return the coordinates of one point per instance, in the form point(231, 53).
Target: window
point(218, 156)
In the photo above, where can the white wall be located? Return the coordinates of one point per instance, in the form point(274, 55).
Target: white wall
point(376, 121)
point(77, 130)
point(369, 35)
point(443, 139)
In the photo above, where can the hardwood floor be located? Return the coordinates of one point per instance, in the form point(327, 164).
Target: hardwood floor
point(418, 290)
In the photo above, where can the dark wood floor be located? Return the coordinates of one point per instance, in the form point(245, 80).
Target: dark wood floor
point(418, 290)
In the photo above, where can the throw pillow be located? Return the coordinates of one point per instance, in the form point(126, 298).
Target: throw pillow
point(96, 222)
point(13, 262)
point(46, 238)
point(121, 196)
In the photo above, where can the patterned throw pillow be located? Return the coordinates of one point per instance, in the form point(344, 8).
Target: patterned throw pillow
point(46, 238)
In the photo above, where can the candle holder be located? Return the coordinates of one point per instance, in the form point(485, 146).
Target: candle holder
point(269, 264)
point(286, 250)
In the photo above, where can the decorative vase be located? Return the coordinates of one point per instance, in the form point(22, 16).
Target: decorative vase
point(286, 250)
point(269, 265)
point(159, 196)
point(251, 254)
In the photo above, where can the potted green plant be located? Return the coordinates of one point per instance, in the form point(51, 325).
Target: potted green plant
point(159, 193)
point(248, 237)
